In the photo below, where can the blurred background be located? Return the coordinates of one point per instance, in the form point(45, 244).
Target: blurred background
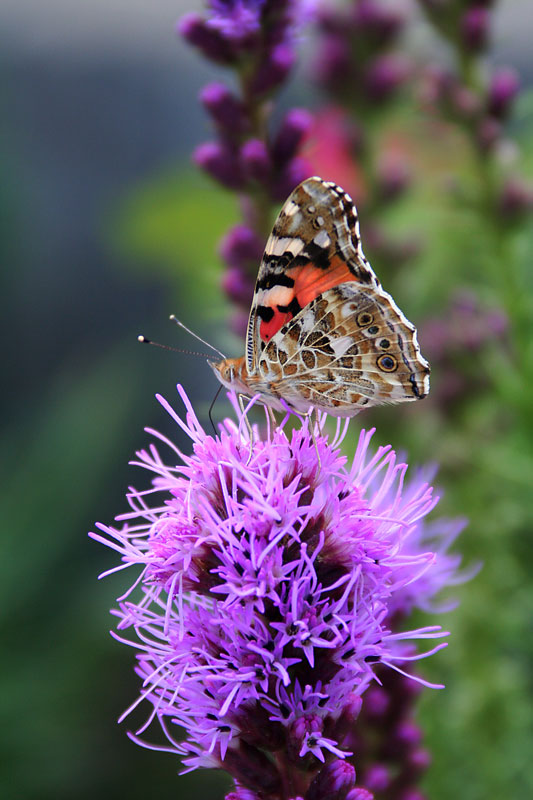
point(106, 229)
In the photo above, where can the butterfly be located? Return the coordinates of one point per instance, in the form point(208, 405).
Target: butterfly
point(322, 332)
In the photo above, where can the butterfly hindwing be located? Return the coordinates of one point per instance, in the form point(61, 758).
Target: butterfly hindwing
point(351, 347)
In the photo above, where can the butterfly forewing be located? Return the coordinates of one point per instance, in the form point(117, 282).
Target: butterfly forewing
point(314, 245)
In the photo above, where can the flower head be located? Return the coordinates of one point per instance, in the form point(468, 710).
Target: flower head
point(270, 569)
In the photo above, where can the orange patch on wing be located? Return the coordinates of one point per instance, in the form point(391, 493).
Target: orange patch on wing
point(268, 329)
point(310, 280)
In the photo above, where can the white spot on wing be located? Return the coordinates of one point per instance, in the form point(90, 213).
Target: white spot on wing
point(291, 209)
point(322, 239)
point(291, 244)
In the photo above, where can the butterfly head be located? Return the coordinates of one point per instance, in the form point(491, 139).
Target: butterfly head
point(230, 372)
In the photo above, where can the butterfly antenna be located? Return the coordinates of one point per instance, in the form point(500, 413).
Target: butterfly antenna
point(212, 406)
point(180, 324)
point(145, 340)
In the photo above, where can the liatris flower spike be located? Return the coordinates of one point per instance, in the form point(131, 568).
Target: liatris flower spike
point(251, 155)
point(262, 609)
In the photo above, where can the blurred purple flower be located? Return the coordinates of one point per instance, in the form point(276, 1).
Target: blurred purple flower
point(516, 200)
point(503, 89)
point(235, 18)
point(269, 572)
point(241, 246)
point(474, 27)
point(385, 75)
point(465, 328)
point(377, 22)
point(197, 32)
point(256, 160)
point(238, 285)
point(293, 129)
point(273, 69)
point(220, 161)
point(359, 794)
point(226, 110)
point(393, 177)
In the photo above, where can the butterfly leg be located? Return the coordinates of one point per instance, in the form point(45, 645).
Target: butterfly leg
point(272, 416)
point(313, 426)
point(242, 398)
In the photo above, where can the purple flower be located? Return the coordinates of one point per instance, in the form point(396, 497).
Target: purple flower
point(516, 200)
point(475, 28)
point(220, 161)
point(359, 794)
point(293, 129)
point(503, 89)
point(238, 286)
point(256, 160)
point(385, 75)
point(269, 569)
point(235, 19)
point(376, 22)
point(241, 247)
point(197, 32)
point(226, 110)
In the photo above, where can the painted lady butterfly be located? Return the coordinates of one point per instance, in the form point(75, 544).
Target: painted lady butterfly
point(322, 332)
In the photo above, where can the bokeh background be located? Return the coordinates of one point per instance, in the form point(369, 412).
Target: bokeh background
point(106, 228)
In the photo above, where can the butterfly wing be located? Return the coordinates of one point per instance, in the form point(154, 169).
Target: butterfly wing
point(350, 347)
point(313, 247)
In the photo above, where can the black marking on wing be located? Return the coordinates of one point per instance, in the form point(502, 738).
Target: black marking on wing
point(265, 312)
point(315, 253)
point(274, 279)
point(294, 307)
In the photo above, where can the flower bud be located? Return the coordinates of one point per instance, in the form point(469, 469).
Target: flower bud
point(358, 793)
point(274, 69)
point(238, 323)
point(293, 129)
point(219, 161)
point(238, 286)
point(333, 782)
point(377, 778)
point(296, 171)
point(226, 109)
point(475, 28)
point(408, 734)
point(419, 760)
point(197, 32)
point(393, 178)
point(464, 102)
point(334, 64)
point(502, 91)
point(377, 23)
point(385, 75)
point(516, 199)
point(376, 702)
point(240, 247)
point(488, 133)
point(255, 160)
